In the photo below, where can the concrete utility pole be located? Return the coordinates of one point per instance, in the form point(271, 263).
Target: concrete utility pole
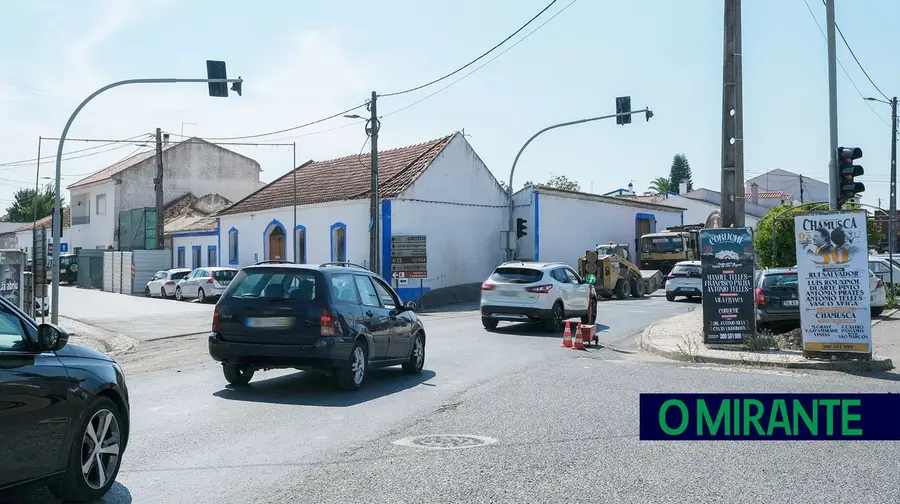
point(833, 179)
point(733, 193)
point(158, 186)
point(892, 239)
point(374, 227)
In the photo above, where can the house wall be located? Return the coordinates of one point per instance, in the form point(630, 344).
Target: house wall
point(205, 240)
point(697, 211)
point(523, 208)
point(460, 207)
point(93, 230)
point(25, 241)
point(317, 220)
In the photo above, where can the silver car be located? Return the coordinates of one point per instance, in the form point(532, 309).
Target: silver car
point(163, 282)
point(205, 283)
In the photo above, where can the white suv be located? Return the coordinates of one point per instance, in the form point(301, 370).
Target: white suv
point(551, 293)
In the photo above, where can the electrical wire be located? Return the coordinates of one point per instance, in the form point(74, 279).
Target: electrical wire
point(838, 28)
point(488, 62)
point(861, 95)
point(24, 162)
point(460, 69)
point(293, 128)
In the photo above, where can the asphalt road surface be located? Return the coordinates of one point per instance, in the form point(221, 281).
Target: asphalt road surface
point(565, 425)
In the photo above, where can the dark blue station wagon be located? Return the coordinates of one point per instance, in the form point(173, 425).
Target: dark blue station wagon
point(337, 317)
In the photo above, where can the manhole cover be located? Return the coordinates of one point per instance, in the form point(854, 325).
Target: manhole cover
point(445, 441)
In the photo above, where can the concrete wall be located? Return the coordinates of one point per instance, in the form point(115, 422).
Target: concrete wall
point(207, 241)
point(318, 221)
point(523, 208)
point(99, 232)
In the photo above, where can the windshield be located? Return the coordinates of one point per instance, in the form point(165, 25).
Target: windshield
point(179, 275)
point(516, 275)
point(275, 284)
point(224, 275)
point(780, 280)
point(686, 270)
point(662, 244)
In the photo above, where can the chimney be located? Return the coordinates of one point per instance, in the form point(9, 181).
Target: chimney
point(754, 193)
point(682, 187)
point(630, 188)
point(165, 140)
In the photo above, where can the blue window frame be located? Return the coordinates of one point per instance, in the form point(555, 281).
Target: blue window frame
point(233, 246)
point(180, 259)
point(300, 244)
point(211, 256)
point(338, 242)
point(196, 256)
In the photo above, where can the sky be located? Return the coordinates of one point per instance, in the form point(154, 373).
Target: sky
point(305, 60)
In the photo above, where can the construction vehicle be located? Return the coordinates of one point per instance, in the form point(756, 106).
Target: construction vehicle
point(610, 270)
point(662, 250)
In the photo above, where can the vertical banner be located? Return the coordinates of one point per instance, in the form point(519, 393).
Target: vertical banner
point(727, 264)
point(833, 270)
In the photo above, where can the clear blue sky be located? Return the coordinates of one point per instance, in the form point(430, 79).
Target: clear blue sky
point(304, 60)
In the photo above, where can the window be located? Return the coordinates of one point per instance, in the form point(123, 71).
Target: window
point(662, 245)
point(211, 257)
point(233, 246)
point(571, 276)
point(224, 275)
point(878, 267)
point(339, 242)
point(180, 261)
point(159, 275)
point(100, 207)
point(780, 280)
point(12, 334)
point(300, 245)
point(387, 298)
point(367, 294)
point(195, 252)
point(517, 275)
point(558, 275)
point(343, 289)
point(273, 284)
point(178, 275)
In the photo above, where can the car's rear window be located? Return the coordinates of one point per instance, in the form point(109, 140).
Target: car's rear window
point(780, 280)
point(517, 275)
point(274, 284)
point(686, 269)
point(66, 261)
point(224, 275)
point(179, 275)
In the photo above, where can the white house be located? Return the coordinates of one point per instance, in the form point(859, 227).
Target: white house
point(192, 166)
point(562, 225)
point(25, 235)
point(191, 231)
point(440, 189)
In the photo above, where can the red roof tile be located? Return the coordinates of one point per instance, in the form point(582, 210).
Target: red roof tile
point(344, 178)
point(769, 195)
point(45, 222)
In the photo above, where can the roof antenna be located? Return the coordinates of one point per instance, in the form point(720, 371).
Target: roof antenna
point(463, 131)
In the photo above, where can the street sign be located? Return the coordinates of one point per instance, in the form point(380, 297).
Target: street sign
point(63, 247)
point(409, 258)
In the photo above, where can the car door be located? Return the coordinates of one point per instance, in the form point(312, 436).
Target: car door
point(189, 289)
point(559, 275)
point(377, 318)
point(155, 284)
point(880, 270)
point(36, 412)
point(581, 292)
point(401, 326)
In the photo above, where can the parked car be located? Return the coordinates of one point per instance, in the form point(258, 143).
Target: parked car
point(164, 282)
point(878, 296)
point(68, 269)
point(684, 280)
point(205, 283)
point(64, 411)
point(335, 316)
point(882, 266)
point(777, 297)
point(546, 292)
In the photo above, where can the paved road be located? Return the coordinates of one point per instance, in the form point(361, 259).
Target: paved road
point(565, 424)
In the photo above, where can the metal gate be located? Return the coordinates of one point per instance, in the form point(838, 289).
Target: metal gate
point(117, 272)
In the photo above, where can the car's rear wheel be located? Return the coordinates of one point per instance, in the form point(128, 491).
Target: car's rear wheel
point(416, 355)
point(147, 291)
point(352, 374)
point(489, 323)
point(95, 454)
point(236, 374)
point(591, 316)
point(557, 317)
point(178, 295)
point(201, 296)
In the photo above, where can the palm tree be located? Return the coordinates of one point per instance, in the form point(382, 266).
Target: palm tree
point(660, 186)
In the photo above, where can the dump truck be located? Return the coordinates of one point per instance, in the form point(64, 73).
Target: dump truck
point(610, 270)
point(663, 249)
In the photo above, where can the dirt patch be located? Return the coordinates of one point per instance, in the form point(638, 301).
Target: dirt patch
point(171, 353)
point(108, 342)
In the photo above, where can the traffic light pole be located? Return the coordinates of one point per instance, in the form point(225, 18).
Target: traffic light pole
point(833, 180)
point(57, 206)
point(892, 238)
point(510, 241)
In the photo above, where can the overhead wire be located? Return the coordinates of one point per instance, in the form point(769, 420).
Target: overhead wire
point(293, 128)
point(25, 162)
point(841, 33)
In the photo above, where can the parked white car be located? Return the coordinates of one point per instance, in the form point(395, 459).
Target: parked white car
point(551, 293)
point(205, 283)
point(881, 266)
point(684, 280)
point(164, 282)
point(877, 297)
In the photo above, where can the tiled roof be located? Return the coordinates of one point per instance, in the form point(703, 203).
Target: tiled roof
point(190, 225)
point(645, 198)
point(119, 167)
point(45, 222)
point(177, 205)
point(770, 195)
point(344, 178)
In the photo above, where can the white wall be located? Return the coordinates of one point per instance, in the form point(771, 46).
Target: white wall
point(25, 241)
point(99, 232)
point(523, 208)
point(317, 219)
point(189, 241)
point(697, 211)
point(459, 205)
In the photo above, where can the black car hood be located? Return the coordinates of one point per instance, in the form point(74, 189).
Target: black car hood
point(83, 352)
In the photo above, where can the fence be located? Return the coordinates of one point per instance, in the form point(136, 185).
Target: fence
point(90, 268)
point(129, 272)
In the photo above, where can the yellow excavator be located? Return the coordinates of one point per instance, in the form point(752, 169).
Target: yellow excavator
point(610, 270)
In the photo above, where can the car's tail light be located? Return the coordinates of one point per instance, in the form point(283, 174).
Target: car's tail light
point(210, 280)
point(326, 324)
point(760, 297)
point(488, 286)
point(170, 282)
point(217, 319)
point(880, 284)
point(540, 289)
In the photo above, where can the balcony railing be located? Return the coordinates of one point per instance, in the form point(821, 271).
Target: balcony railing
point(86, 219)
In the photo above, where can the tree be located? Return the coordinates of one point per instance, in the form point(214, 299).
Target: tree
point(784, 252)
point(22, 207)
point(506, 189)
point(562, 182)
point(659, 186)
point(680, 171)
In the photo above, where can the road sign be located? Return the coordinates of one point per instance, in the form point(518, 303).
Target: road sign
point(409, 258)
point(63, 247)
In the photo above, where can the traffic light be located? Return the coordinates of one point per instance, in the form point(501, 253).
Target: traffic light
point(216, 70)
point(848, 188)
point(521, 228)
point(623, 106)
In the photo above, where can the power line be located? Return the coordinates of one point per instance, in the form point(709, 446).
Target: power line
point(285, 130)
point(857, 59)
point(861, 95)
point(23, 162)
point(460, 69)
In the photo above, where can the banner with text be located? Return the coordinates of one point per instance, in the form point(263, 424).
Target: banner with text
point(727, 264)
point(833, 270)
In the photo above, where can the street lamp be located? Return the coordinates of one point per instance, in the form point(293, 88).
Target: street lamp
point(892, 238)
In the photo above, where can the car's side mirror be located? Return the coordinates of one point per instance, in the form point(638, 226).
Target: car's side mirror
point(409, 305)
point(52, 338)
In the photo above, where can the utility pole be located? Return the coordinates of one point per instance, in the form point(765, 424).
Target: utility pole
point(833, 181)
point(733, 194)
point(801, 189)
point(158, 186)
point(374, 227)
point(892, 239)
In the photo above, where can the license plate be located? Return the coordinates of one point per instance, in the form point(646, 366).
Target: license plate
point(269, 322)
point(62, 270)
point(790, 302)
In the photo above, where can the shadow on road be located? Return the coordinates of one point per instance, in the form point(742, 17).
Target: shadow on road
point(538, 330)
point(317, 389)
point(118, 494)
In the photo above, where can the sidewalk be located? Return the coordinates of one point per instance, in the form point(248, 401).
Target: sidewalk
point(681, 338)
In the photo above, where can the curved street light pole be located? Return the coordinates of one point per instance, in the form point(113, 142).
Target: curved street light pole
point(57, 207)
point(509, 238)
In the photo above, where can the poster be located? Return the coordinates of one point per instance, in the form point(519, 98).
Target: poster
point(727, 264)
point(10, 282)
point(833, 271)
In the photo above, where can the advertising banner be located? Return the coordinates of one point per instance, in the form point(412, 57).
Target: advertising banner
point(727, 265)
point(833, 280)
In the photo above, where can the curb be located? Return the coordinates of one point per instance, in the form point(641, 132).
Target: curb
point(884, 316)
point(846, 366)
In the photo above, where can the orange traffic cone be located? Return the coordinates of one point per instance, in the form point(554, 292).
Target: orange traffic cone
point(579, 339)
point(567, 336)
